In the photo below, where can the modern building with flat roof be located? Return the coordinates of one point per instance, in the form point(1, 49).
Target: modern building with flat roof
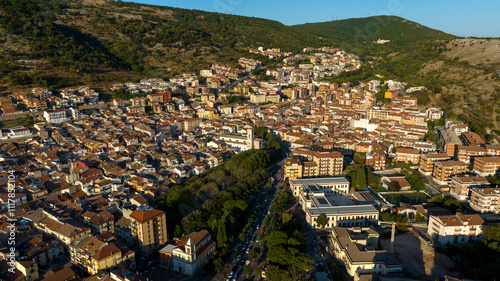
point(330, 197)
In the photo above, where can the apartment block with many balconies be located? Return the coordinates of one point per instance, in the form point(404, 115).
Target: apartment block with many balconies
point(444, 170)
point(149, 228)
point(485, 199)
point(467, 154)
point(426, 164)
point(407, 155)
point(487, 166)
point(460, 186)
point(456, 229)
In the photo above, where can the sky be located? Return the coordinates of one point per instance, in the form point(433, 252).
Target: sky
point(458, 17)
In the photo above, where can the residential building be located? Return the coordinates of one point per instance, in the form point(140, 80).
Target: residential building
point(329, 163)
point(485, 199)
point(456, 229)
point(293, 168)
point(407, 155)
point(449, 140)
point(426, 165)
point(444, 170)
point(460, 185)
point(56, 116)
point(467, 154)
point(472, 139)
point(375, 160)
point(357, 250)
point(487, 166)
point(29, 269)
point(149, 228)
point(95, 255)
point(192, 252)
point(190, 124)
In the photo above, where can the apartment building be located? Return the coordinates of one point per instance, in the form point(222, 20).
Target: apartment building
point(56, 116)
point(357, 250)
point(472, 139)
point(444, 170)
point(449, 140)
point(329, 163)
point(467, 154)
point(149, 228)
point(192, 252)
point(190, 124)
point(320, 163)
point(456, 229)
point(293, 168)
point(485, 199)
point(492, 149)
point(487, 166)
point(426, 164)
point(460, 186)
point(95, 255)
point(407, 155)
point(375, 160)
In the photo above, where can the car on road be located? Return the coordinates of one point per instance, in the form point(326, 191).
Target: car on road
point(256, 239)
point(247, 262)
point(238, 258)
point(231, 274)
point(244, 246)
point(252, 239)
point(248, 250)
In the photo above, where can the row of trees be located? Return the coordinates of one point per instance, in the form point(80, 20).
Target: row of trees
point(216, 200)
point(286, 245)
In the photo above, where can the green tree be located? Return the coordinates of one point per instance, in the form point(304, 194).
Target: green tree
point(452, 204)
point(254, 252)
point(248, 269)
point(321, 220)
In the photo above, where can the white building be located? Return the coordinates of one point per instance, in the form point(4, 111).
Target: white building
point(329, 197)
point(455, 229)
point(330, 186)
point(192, 251)
point(55, 116)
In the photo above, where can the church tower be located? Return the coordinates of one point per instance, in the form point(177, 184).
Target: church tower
point(249, 137)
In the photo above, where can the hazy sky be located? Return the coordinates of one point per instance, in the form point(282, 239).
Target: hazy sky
point(458, 17)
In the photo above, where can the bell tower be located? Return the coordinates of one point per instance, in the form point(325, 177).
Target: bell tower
point(250, 137)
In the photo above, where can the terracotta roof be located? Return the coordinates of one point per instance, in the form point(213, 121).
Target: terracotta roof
point(105, 252)
point(145, 216)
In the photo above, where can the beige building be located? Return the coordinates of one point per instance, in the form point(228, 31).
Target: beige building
point(293, 169)
point(329, 163)
point(485, 199)
point(407, 155)
point(357, 250)
point(149, 227)
point(456, 229)
point(467, 154)
point(444, 170)
point(487, 166)
point(460, 186)
point(95, 255)
point(426, 164)
point(314, 164)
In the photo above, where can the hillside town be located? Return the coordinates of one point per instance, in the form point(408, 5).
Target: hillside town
point(80, 186)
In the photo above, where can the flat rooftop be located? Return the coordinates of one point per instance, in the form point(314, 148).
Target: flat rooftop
point(312, 184)
point(343, 210)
